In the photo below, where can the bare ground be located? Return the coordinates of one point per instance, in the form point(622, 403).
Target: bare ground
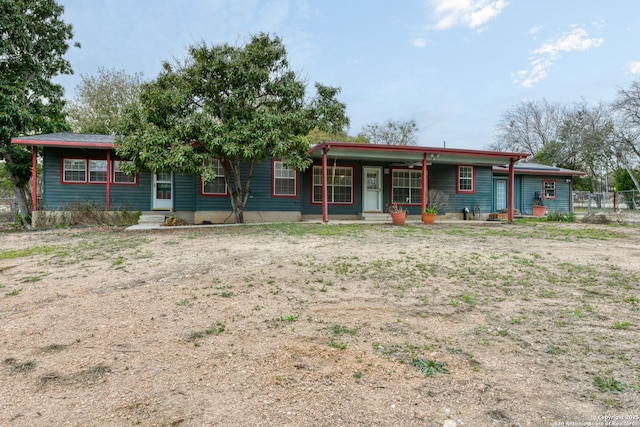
point(512, 325)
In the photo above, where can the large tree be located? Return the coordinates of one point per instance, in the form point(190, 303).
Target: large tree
point(101, 100)
point(392, 132)
point(529, 127)
point(236, 104)
point(33, 41)
point(627, 108)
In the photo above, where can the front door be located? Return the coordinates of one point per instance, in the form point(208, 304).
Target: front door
point(163, 191)
point(500, 188)
point(372, 189)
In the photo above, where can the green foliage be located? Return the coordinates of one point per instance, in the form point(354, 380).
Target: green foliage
point(608, 384)
point(556, 216)
point(101, 100)
point(235, 104)
point(317, 136)
point(33, 43)
point(429, 367)
point(623, 181)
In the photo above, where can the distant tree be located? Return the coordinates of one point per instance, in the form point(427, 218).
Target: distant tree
point(238, 105)
point(529, 127)
point(317, 136)
point(101, 100)
point(587, 136)
point(627, 108)
point(400, 132)
point(33, 41)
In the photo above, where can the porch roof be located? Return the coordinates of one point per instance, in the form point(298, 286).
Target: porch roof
point(67, 139)
point(413, 155)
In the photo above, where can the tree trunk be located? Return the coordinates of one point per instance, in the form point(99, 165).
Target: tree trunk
point(20, 192)
point(23, 205)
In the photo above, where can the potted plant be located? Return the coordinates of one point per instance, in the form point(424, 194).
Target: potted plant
point(437, 200)
point(430, 213)
point(398, 213)
point(539, 209)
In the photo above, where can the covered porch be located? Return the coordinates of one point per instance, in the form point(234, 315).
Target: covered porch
point(380, 162)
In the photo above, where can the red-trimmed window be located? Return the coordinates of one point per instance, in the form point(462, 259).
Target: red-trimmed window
point(285, 180)
point(406, 186)
point(94, 171)
point(549, 189)
point(339, 185)
point(74, 170)
point(466, 180)
point(97, 171)
point(119, 177)
point(217, 186)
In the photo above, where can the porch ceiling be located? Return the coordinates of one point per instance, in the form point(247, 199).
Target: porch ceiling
point(412, 154)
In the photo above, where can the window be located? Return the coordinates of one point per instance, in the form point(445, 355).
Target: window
point(75, 170)
point(119, 177)
point(216, 186)
point(97, 171)
point(406, 186)
point(466, 180)
point(339, 185)
point(549, 188)
point(285, 180)
point(94, 171)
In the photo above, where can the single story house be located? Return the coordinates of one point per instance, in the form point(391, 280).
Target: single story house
point(346, 181)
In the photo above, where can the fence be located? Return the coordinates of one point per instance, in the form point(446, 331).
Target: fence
point(607, 201)
point(8, 209)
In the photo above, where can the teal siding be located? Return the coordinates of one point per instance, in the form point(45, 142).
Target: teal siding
point(57, 195)
point(260, 199)
point(534, 183)
point(444, 178)
point(309, 208)
point(184, 192)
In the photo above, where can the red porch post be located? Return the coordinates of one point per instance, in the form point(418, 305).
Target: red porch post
point(108, 204)
point(325, 203)
point(424, 182)
point(34, 178)
point(510, 191)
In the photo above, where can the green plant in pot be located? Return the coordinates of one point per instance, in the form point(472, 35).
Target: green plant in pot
point(430, 213)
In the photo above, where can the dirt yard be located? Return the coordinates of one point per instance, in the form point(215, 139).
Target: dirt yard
point(480, 324)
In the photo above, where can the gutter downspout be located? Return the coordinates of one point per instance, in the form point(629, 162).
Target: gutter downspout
point(510, 191)
point(34, 179)
point(325, 203)
point(424, 183)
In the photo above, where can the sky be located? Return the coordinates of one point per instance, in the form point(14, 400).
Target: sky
point(453, 66)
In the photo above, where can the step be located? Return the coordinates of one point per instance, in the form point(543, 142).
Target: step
point(151, 219)
point(375, 216)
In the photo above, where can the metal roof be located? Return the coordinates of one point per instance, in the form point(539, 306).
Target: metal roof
point(534, 168)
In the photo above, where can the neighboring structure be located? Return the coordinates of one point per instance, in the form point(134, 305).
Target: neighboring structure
point(534, 183)
point(346, 181)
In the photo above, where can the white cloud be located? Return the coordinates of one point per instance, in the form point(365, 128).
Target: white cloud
point(634, 67)
point(535, 30)
point(472, 14)
point(419, 42)
point(575, 40)
point(545, 56)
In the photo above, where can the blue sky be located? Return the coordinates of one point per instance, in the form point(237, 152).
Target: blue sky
point(453, 66)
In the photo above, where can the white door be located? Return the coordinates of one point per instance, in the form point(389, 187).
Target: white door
point(372, 189)
point(163, 191)
point(501, 194)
